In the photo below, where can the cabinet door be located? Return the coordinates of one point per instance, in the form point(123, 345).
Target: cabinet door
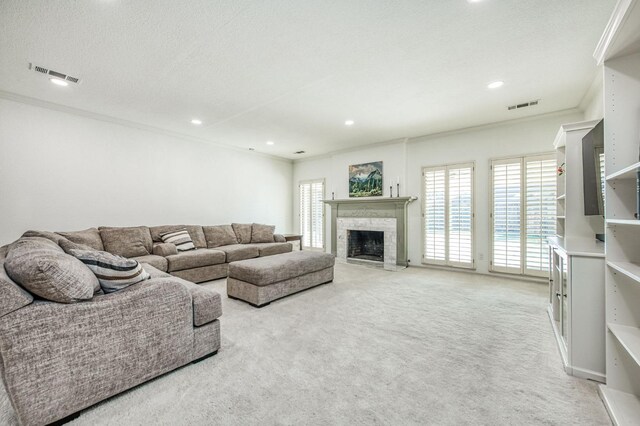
point(564, 300)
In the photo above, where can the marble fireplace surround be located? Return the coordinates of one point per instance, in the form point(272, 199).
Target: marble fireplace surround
point(388, 215)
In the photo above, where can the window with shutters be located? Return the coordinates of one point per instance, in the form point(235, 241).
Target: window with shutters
point(523, 214)
point(312, 213)
point(448, 215)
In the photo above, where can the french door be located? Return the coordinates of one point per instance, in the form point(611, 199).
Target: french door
point(523, 213)
point(312, 213)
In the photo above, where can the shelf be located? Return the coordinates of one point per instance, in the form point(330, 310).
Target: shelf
point(629, 338)
point(624, 408)
point(626, 173)
point(625, 222)
point(562, 197)
point(631, 270)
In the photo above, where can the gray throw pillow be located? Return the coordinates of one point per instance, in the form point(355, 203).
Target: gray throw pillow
point(48, 272)
point(220, 235)
point(243, 232)
point(262, 233)
point(113, 272)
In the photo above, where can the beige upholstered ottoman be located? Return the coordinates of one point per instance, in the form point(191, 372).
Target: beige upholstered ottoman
point(264, 279)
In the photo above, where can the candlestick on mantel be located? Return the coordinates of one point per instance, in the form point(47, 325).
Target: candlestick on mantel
point(333, 195)
point(390, 191)
point(398, 192)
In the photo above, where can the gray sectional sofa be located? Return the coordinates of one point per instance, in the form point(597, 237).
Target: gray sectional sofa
point(59, 358)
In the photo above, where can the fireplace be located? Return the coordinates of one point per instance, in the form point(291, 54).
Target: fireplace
point(365, 245)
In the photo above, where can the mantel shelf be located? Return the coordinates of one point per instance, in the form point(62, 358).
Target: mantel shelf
point(399, 200)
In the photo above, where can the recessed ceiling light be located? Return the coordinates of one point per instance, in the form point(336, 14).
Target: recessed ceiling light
point(58, 82)
point(495, 84)
point(270, 142)
point(349, 123)
point(196, 122)
point(474, 1)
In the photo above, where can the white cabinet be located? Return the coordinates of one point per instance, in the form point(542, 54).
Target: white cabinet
point(576, 306)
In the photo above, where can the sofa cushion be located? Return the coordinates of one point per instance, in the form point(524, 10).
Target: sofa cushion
point(42, 268)
point(195, 232)
point(272, 269)
point(262, 233)
point(89, 237)
point(114, 272)
point(237, 252)
point(127, 242)
point(195, 259)
point(220, 235)
point(278, 238)
point(269, 249)
point(51, 236)
point(154, 272)
point(164, 249)
point(243, 232)
point(158, 262)
point(12, 296)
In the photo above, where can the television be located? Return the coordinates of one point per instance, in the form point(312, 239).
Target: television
point(593, 179)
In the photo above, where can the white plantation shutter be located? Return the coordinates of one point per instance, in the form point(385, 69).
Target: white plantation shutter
point(312, 213)
point(460, 216)
point(523, 215)
point(507, 200)
point(305, 213)
point(317, 215)
point(434, 216)
point(448, 215)
point(540, 200)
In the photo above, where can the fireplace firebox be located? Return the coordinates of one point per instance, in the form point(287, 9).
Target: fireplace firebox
point(365, 245)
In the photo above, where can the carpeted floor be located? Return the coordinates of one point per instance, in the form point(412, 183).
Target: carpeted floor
point(373, 347)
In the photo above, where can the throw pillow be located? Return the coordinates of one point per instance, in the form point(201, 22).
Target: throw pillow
point(180, 239)
point(262, 233)
point(48, 272)
point(243, 232)
point(220, 235)
point(113, 272)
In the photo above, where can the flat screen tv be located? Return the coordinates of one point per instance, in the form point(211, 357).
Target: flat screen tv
point(593, 178)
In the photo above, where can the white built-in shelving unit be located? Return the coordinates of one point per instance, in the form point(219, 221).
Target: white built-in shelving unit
point(619, 51)
point(576, 258)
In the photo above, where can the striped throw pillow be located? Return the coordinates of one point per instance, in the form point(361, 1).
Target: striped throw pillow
point(180, 239)
point(113, 272)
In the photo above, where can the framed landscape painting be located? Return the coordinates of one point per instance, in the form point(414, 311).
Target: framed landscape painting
point(365, 180)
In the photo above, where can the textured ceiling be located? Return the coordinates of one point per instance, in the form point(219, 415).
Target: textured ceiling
point(293, 71)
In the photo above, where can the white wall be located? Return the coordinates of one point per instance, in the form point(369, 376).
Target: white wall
point(61, 171)
point(406, 159)
point(593, 102)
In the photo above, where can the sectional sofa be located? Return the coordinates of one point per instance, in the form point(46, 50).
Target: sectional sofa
point(59, 358)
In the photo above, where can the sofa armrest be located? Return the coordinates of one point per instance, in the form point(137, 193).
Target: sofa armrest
point(60, 358)
point(164, 249)
point(207, 304)
point(279, 238)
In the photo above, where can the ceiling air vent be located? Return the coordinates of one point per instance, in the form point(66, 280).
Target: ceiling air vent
point(524, 105)
point(47, 71)
point(299, 152)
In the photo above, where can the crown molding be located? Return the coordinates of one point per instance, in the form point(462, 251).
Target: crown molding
point(131, 124)
point(606, 48)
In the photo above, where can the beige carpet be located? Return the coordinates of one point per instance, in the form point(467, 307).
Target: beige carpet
point(374, 347)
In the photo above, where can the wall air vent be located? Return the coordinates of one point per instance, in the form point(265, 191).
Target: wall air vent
point(52, 73)
point(523, 105)
point(299, 152)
